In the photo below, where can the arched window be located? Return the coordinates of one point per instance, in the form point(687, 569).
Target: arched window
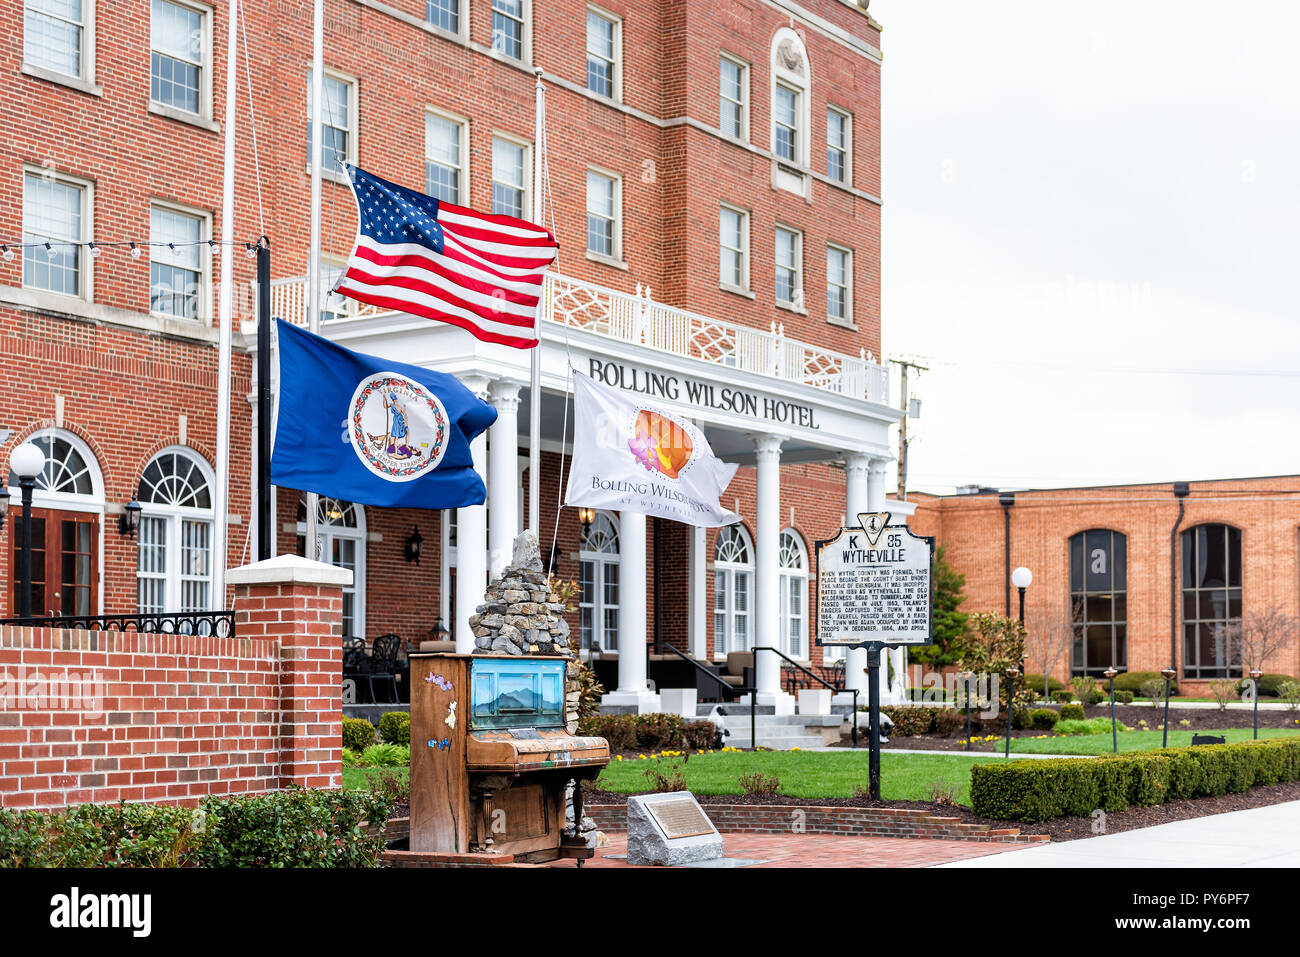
point(1211, 600)
point(174, 542)
point(1098, 601)
point(791, 111)
point(794, 594)
point(68, 503)
point(341, 529)
point(598, 577)
point(733, 586)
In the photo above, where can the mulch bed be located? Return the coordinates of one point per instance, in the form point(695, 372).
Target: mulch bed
point(1059, 829)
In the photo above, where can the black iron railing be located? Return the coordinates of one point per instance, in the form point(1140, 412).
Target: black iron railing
point(815, 677)
point(727, 689)
point(204, 624)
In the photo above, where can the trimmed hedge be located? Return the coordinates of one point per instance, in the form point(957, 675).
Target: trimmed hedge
point(358, 734)
point(1035, 682)
point(1043, 719)
point(1123, 697)
point(1038, 790)
point(395, 727)
point(649, 732)
point(1072, 712)
point(1132, 681)
point(1269, 685)
point(910, 720)
point(293, 828)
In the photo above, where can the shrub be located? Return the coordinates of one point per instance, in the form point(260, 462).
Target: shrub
point(1270, 685)
point(1154, 688)
point(1043, 719)
point(699, 735)
point(386, 756)
point(941, 791)
point(911, 719)
point(618, 729)
point(393, 788)
point(1035, 682)
point(1223, 691)
point(1123, 697)
point(1133, 680)
point(1289, 691)
point(395, 727)
point(666, 775)
point(293, 828)
point(1072, 712)
point(358, 734)
point(654, 732)
point(948, 721)
point(756, 782)
point(1062, 697)
point(1088, 726)
point(1021, 720)
point(1057, 787)
point(1084, 687)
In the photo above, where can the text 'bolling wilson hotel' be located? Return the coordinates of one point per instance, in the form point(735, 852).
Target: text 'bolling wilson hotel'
point(713, 173)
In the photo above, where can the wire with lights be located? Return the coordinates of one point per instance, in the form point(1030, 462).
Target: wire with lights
point(8, 250)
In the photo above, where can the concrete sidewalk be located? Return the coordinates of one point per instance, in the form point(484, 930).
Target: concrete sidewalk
point(1259, 837)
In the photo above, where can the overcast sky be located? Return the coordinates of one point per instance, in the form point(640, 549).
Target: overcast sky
point(1091, 217)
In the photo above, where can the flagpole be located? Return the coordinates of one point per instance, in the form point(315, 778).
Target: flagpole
point(313, 257)
point(225, 311)
point(535, 382)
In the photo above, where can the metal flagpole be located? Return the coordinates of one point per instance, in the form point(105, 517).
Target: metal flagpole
point(225, 311)
point(535, 382)
point(313, 258)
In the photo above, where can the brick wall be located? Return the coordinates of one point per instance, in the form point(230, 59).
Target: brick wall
point(106, 716)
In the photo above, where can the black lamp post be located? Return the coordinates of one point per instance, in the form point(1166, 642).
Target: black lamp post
point(1255, 674)
point(1010, 674)
point(26, 461)
point(1022, 578)
point(1110, 674)
point(966, 677)
point(1168, 674)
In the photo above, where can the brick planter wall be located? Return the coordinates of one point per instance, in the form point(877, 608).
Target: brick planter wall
point(178, 717)
point(848, 821)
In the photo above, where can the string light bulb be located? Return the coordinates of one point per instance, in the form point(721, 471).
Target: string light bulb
point(215, 247)
point(8, 254)
point(94, 250)
point(135, 251)
point(49, 251)
point(249, 251)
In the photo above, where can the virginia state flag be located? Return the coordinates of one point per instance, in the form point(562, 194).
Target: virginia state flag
point(373, 431)
point(638, 456)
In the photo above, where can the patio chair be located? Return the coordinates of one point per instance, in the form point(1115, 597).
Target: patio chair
point(383, 664)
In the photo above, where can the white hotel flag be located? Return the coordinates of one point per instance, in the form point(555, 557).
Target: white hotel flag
point(639, 457)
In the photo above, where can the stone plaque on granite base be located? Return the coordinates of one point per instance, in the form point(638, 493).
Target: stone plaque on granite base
point(670, 829)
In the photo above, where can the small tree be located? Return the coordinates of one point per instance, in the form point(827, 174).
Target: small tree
point(1258, 635)
point(949, 623)
point(991, 644)
point(1048, 638)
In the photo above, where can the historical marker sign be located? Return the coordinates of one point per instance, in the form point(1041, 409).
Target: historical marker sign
point(680, 818)
point(874, 584)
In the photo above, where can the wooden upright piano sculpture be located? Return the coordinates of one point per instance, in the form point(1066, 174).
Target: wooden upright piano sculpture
point(491, 758)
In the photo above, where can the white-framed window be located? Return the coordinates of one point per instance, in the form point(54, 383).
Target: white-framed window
point(174, 540)
point(598, 579)
point(57, 216)
point(733, 97)
point(789, 267)
point(341, 530)
point(604, 214)
point(794, 594)
point(446, 158)
point(178, 265)
point(786, 134)
point(510, 174)
point(604, 43)
point(338, 123)
point(180, 56)
point(733, 589)
point(839, 284)
point(57, 35)
point(733, 248)
point(839, 145)
point(443, 14)
point(508, 28)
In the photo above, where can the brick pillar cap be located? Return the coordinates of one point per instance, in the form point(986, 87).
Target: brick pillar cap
point(289, 569)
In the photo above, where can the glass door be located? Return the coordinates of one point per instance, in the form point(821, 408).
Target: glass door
point(65, 563)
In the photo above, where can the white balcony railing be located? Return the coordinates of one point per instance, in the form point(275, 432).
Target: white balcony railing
point(636, 318)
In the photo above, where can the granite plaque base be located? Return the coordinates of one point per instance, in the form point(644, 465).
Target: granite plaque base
point(670, 829)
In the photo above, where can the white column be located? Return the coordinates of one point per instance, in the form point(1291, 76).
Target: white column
point(767, 598)
point(856, 499)
point(633, 692)
point(503, 474)
point(471, 539)
point(697, 594)
point(889, 693)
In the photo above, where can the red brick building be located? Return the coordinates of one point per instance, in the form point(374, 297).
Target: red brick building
point(713, 176)
point(1140, 576)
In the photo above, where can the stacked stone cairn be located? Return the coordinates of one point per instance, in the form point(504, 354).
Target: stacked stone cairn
point(521, 615)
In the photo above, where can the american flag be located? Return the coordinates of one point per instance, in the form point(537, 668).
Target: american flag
point(419, 255)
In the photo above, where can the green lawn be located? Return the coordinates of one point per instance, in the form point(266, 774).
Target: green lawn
point(1128, 740)
point(358, 777)
point(903, 777)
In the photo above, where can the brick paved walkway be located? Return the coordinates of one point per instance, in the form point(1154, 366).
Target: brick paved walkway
point(823, 850)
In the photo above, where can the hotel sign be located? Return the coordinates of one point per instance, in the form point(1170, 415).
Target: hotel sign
point(704, 395)
point(874, 584)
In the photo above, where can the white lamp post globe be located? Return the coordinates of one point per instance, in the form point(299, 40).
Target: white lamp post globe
point(26, 460)
point(1022, 577)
